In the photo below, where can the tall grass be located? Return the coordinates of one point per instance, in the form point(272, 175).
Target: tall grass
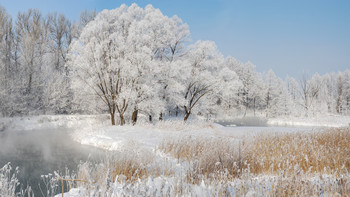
point(9, 184)
point(268, 164)
point(209, 158)
point(325, 151)
point(297, 162)
point(133, 163)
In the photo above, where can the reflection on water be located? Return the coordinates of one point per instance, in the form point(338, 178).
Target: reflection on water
point(40, 152)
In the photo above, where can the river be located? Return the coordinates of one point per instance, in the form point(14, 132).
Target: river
point(39, 152)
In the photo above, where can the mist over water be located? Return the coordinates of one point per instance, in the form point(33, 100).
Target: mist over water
point(245, 122)
point(39, 152)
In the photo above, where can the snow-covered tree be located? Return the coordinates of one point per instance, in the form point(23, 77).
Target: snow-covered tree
point(32, 33)
point(6, 62)
point(228, 96)
point(328, 89)
point(346, 98)
point(274, 103)
point(60, 29)
point(202, 69)
point(340, 85)
point(295, 100)
point(137, 60)
point(251, 91)
point(118, 55)
point(309, 91)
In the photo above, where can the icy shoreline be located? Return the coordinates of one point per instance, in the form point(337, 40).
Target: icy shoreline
point(95, 130)
point(326, 121)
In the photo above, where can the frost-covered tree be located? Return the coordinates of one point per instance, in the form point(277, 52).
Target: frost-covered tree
point(6, 62)
point(170, 36)
point(165, 38)
point(118, 55)
point(60, 30)
point(293, 92)
point(206, 75)
point(57, 94)
point(138, 60)
point(274, 103)
point(250, 93)
point(204, 62)
point(346, 98)
point(309, 91)
point(228, 96)
point(340, 84)
point(32, 33)
point(34, 49)
point(329, 92)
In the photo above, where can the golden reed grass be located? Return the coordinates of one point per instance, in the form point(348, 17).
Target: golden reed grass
point(325, 151)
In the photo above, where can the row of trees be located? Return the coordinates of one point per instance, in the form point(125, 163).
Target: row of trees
point(33, 55)
point(131, 61)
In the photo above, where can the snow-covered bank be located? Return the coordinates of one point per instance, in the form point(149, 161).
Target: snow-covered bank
point(146, 136)
point(95, 130)
point(52, 122)
point(322, 121)
point(119, 138)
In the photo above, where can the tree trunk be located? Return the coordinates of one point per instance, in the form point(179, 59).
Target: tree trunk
point(254, 106)
point(112, 118)
point(187, 115)
point(339, 102)
point(134, 116)
point(122, 120)
point(306, 111)
point(161, 116)
point(246, 109)
point(306, 105)
point(30, 83)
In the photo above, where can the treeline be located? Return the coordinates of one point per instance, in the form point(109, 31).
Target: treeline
point(33, 54)
point(132, 60)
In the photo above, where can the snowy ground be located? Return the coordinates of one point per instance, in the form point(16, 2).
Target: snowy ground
point(148, 137)
point(322, 121)
point(51, 122)
point(96, 131)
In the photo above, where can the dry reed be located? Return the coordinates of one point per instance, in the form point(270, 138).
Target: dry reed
point(325, 151)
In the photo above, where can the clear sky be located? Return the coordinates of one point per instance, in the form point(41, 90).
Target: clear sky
point(290, 37)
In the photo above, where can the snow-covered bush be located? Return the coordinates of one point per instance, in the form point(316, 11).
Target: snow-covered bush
point(8, 181)
point(10, 185)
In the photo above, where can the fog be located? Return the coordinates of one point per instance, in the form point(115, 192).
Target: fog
point(40, 152)
point(246, 122)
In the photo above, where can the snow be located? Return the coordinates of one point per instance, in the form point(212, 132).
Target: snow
point(27, 123)
point(322, 121)
point(74, 192)
point(147, 136)
point(95, 130)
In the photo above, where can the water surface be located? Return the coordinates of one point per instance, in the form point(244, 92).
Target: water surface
point(39, 152)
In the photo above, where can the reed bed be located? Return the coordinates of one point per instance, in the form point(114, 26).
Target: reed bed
point(312, 163)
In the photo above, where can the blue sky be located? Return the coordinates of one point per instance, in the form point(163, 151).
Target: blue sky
point(289, 37)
